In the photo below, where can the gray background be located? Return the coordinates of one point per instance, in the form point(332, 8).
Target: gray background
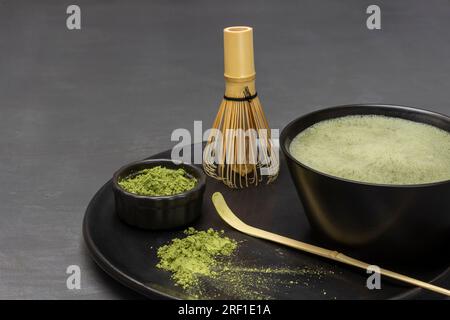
point(76, 105)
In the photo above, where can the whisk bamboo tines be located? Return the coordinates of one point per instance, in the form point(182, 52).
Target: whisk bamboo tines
point(240, 150)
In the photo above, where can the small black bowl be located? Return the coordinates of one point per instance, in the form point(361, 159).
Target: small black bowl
point(390, 222)
point(161, 212)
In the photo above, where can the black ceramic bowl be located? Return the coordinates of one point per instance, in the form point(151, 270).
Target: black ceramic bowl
point(400, 222)
point(159, 213)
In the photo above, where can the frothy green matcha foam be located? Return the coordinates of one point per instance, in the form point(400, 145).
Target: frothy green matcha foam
point(375, 149)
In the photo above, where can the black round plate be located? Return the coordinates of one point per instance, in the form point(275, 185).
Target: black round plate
point(129, 255)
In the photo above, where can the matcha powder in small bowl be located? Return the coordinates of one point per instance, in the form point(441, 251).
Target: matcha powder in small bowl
point(158, 181)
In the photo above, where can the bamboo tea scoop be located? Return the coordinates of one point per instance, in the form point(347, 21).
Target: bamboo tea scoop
point(229, 217)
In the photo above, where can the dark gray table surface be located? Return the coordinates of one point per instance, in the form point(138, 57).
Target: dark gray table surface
point(76, 105)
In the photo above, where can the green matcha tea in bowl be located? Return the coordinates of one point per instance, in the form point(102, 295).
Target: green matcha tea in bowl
point(375, 178)
point(159, 194)
point(375, 149)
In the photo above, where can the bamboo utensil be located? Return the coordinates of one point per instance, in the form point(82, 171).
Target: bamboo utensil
point(229, 217)
point(239, 150)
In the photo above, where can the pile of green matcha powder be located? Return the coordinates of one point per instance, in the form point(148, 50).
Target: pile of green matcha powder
point(204, 264)
point(158, 181)
point(195, 255)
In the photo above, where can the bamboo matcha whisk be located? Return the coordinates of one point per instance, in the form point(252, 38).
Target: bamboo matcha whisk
point(240, 151)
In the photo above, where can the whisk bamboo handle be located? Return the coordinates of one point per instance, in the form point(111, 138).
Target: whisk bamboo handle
point(228, 216)
point(238, 53)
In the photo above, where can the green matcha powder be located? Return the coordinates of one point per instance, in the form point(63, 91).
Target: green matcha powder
point(204, 264)
point(195, 255)
point(158, 181)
